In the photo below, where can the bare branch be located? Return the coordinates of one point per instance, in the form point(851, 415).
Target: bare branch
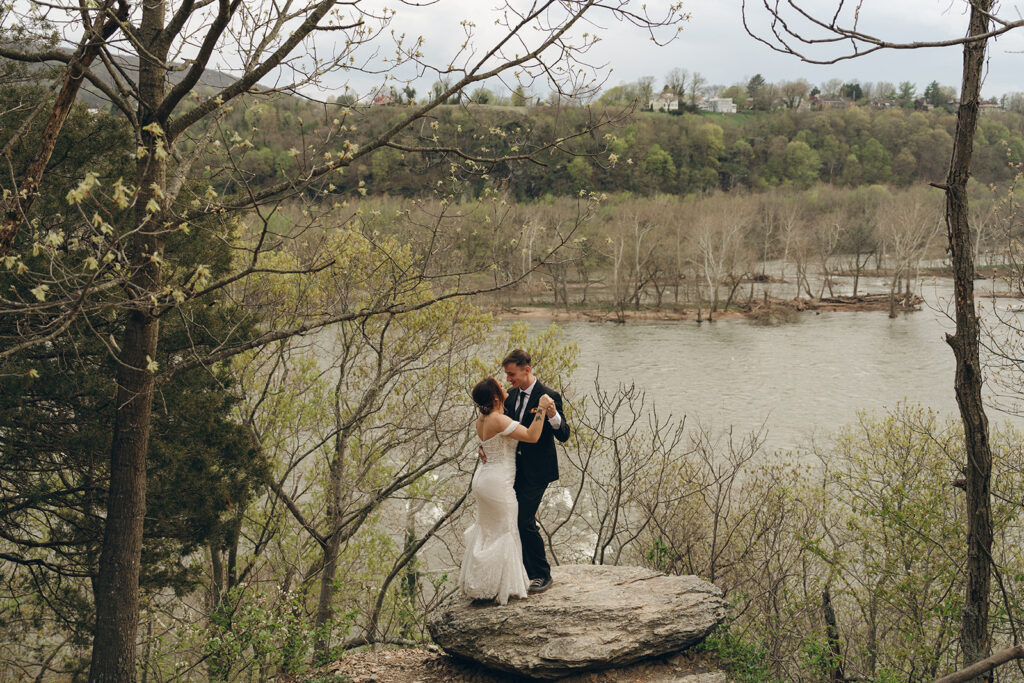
point(788, 40)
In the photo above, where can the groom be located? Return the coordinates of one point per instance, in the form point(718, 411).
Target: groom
point(536, 463)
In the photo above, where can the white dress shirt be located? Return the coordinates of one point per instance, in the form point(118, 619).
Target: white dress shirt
point(555, 421)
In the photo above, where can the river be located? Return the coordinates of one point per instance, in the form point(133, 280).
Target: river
point(799, 380)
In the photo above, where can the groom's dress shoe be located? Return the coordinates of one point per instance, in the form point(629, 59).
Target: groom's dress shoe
point(540, 585)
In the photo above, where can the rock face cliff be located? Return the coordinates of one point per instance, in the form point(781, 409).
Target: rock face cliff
point(593, 617)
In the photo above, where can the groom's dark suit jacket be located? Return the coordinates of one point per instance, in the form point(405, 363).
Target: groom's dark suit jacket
point(537, 463)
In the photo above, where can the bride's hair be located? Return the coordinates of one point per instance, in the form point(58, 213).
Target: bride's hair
point(484, 393)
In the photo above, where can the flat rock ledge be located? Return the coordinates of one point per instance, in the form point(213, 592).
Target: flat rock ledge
point(593, 617)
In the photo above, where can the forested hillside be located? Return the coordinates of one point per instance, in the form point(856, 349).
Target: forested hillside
point(271, 137)
point(643, 152)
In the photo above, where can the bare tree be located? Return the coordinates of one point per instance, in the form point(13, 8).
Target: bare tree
point(782, 223)
point(626, 467)
point(826, 243)
point(615, 251)
point(908, 224)
point(632, 252)
point(676, 80)
point(831, 87)
point(695, 87)
point(859, 228)
point(885, 90)
point(789, 29)
point(720, 250)
point(792, 93)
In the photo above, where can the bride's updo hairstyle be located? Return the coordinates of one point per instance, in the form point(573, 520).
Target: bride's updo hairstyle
point(484, 393)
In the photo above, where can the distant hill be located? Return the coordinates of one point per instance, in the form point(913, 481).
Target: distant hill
point(210, 82)
point(645, 154)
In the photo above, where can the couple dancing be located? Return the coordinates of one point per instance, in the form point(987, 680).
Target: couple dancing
point(504, 549)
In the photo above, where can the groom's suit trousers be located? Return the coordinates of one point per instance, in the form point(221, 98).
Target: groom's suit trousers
point(534, 559)
point(536, 467)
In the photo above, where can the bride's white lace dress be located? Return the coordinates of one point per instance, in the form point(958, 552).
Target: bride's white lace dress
point(492, 566)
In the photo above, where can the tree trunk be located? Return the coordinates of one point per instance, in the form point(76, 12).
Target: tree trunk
point(732, 291)
point(892, 294)
point(583, 274)
point(117, 581)
point(233, 533)
point(700, 300)
point(974, 638)
point(214, 665)
point(324, 610)
point(335, 501)
point(217, 579)
point(871, 647)
point(410, 574)
point(856, 272)
point(832, 636)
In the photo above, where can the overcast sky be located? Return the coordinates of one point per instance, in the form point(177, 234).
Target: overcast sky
point(714, 43)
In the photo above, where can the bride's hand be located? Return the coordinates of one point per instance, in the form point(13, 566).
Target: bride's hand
point(545, 404)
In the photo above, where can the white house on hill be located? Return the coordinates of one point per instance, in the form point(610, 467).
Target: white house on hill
point(665, 101)
point(718, 105)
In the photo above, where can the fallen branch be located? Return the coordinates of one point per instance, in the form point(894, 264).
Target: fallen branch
point(985, 665)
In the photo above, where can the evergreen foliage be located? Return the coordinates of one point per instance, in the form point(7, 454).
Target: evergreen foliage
point(56, 407)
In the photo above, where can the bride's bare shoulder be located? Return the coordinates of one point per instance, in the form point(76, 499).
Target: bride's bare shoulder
point(494, 424)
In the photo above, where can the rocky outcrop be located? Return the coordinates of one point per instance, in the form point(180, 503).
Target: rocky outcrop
point(593, 617)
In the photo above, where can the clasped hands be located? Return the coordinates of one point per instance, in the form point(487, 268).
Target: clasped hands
point(546, 404)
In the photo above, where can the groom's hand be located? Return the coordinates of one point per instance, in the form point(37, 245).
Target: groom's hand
point(480, 452)
point(547, 405)
point(551, 409)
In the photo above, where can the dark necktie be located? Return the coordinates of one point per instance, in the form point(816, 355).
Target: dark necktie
point(523, 397)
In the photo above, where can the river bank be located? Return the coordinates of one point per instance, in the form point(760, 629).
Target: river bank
point(761, 310)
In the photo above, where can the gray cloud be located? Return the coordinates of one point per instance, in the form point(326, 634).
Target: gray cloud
point(714, 43)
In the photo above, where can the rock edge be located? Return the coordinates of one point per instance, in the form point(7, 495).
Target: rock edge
point(593, 617)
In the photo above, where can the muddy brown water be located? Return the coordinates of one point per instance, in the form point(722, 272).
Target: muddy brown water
point(799, 380)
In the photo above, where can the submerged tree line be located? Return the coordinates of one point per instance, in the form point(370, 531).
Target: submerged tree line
point(705, 254)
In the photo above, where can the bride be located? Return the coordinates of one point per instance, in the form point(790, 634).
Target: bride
point(492, 567)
